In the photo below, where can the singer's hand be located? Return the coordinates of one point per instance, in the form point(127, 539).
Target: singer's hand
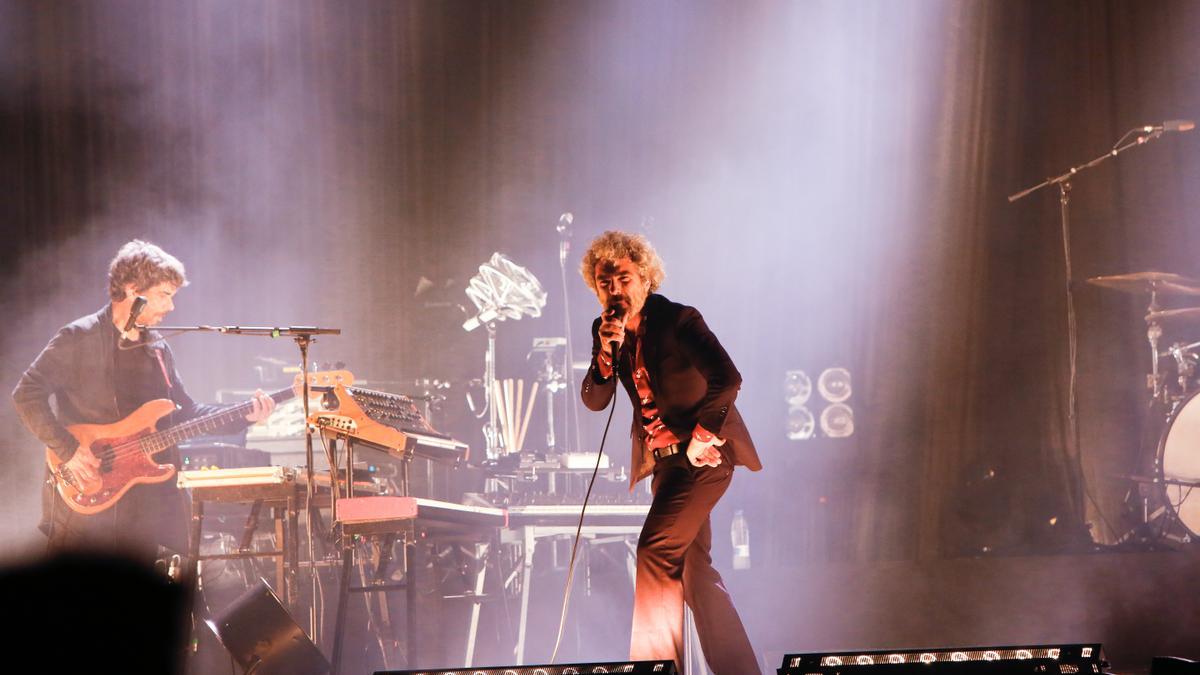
point(704, 453)
point(611, 330)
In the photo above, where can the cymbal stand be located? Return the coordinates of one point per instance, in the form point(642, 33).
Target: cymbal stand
point(1153, 335)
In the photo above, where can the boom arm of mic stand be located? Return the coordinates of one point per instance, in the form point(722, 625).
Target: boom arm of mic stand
point(1073, 171)
point(264, 331)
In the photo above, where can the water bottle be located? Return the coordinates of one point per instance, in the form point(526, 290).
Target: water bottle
point(739, 534)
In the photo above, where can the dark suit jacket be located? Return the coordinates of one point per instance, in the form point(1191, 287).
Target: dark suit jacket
point(693, 380)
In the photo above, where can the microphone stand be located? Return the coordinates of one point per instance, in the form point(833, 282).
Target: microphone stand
point(571, 419)
point(304, 337)
point(1063, 181)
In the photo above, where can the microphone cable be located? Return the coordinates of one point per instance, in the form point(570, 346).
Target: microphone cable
point(562, 619)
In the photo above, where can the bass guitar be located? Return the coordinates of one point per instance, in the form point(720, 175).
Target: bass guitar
point(126, 449)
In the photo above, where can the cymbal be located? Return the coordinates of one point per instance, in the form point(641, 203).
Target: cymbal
point(1181, 313)
point(1145, 282)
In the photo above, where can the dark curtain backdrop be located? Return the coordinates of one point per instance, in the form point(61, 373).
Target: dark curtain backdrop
point(310, 162)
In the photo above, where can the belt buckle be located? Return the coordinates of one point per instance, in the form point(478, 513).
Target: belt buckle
point(665, 452)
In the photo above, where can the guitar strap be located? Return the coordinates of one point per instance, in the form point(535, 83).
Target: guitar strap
point(162, 365)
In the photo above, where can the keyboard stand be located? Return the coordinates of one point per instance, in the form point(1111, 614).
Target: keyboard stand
point(283, 501)
point(385, 519)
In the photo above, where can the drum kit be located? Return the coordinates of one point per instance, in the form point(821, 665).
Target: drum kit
point(1168, 510)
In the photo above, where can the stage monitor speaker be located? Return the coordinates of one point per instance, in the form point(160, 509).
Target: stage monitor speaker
point(1085, 659)
point(262, 637)
point(637, 667)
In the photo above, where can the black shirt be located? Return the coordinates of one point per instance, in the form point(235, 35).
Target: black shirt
point(141, 376)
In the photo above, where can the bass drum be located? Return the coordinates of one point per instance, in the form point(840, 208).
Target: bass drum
point(1178, 461)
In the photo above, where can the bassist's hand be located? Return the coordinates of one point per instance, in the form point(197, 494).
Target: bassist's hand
point(261, 407)
point(83, 465)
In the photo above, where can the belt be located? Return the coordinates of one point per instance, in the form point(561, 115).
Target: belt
point(665, 452)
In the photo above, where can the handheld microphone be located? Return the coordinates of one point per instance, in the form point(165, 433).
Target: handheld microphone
point(614, 311)
point(134, 310)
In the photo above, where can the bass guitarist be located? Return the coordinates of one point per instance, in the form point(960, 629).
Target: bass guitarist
point(99, 369)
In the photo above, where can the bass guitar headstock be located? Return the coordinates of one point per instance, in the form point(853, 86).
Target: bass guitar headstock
point(323, 380)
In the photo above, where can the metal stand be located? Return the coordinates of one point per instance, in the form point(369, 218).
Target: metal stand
point(571, 419)
point(304, 337)
point(1064, 189)
point(282, 501)
point(551, 380)
point(1153, 335)
point(492, 437)
point(416, 542)
point(1063, 182)
point(303, 342)
point(1160, 527)
point(528, 537)
point(379, 584)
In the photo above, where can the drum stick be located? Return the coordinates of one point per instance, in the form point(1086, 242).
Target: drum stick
point(517, 414)
point(508, 402)
point(528, 411)
point(498, 398)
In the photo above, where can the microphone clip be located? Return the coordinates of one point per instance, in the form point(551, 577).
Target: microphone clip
point(135, 310)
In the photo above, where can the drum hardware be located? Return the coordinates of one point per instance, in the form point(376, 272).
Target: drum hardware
point(1185, 363)
point(1149, 282)
point(1181, 313)
point(1159, 519)
point(1157, 282)
point(1153, 284)
point(1155, 379)
point(1177, 469)
point(1165, 512)
point(1159, 480)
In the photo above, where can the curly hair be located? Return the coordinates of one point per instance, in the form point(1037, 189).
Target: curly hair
point(614, 245)
point(144, 265)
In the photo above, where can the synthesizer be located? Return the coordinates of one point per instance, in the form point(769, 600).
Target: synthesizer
point(388, 422)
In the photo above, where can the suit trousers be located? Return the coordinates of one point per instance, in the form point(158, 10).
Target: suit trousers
point(674, 566)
